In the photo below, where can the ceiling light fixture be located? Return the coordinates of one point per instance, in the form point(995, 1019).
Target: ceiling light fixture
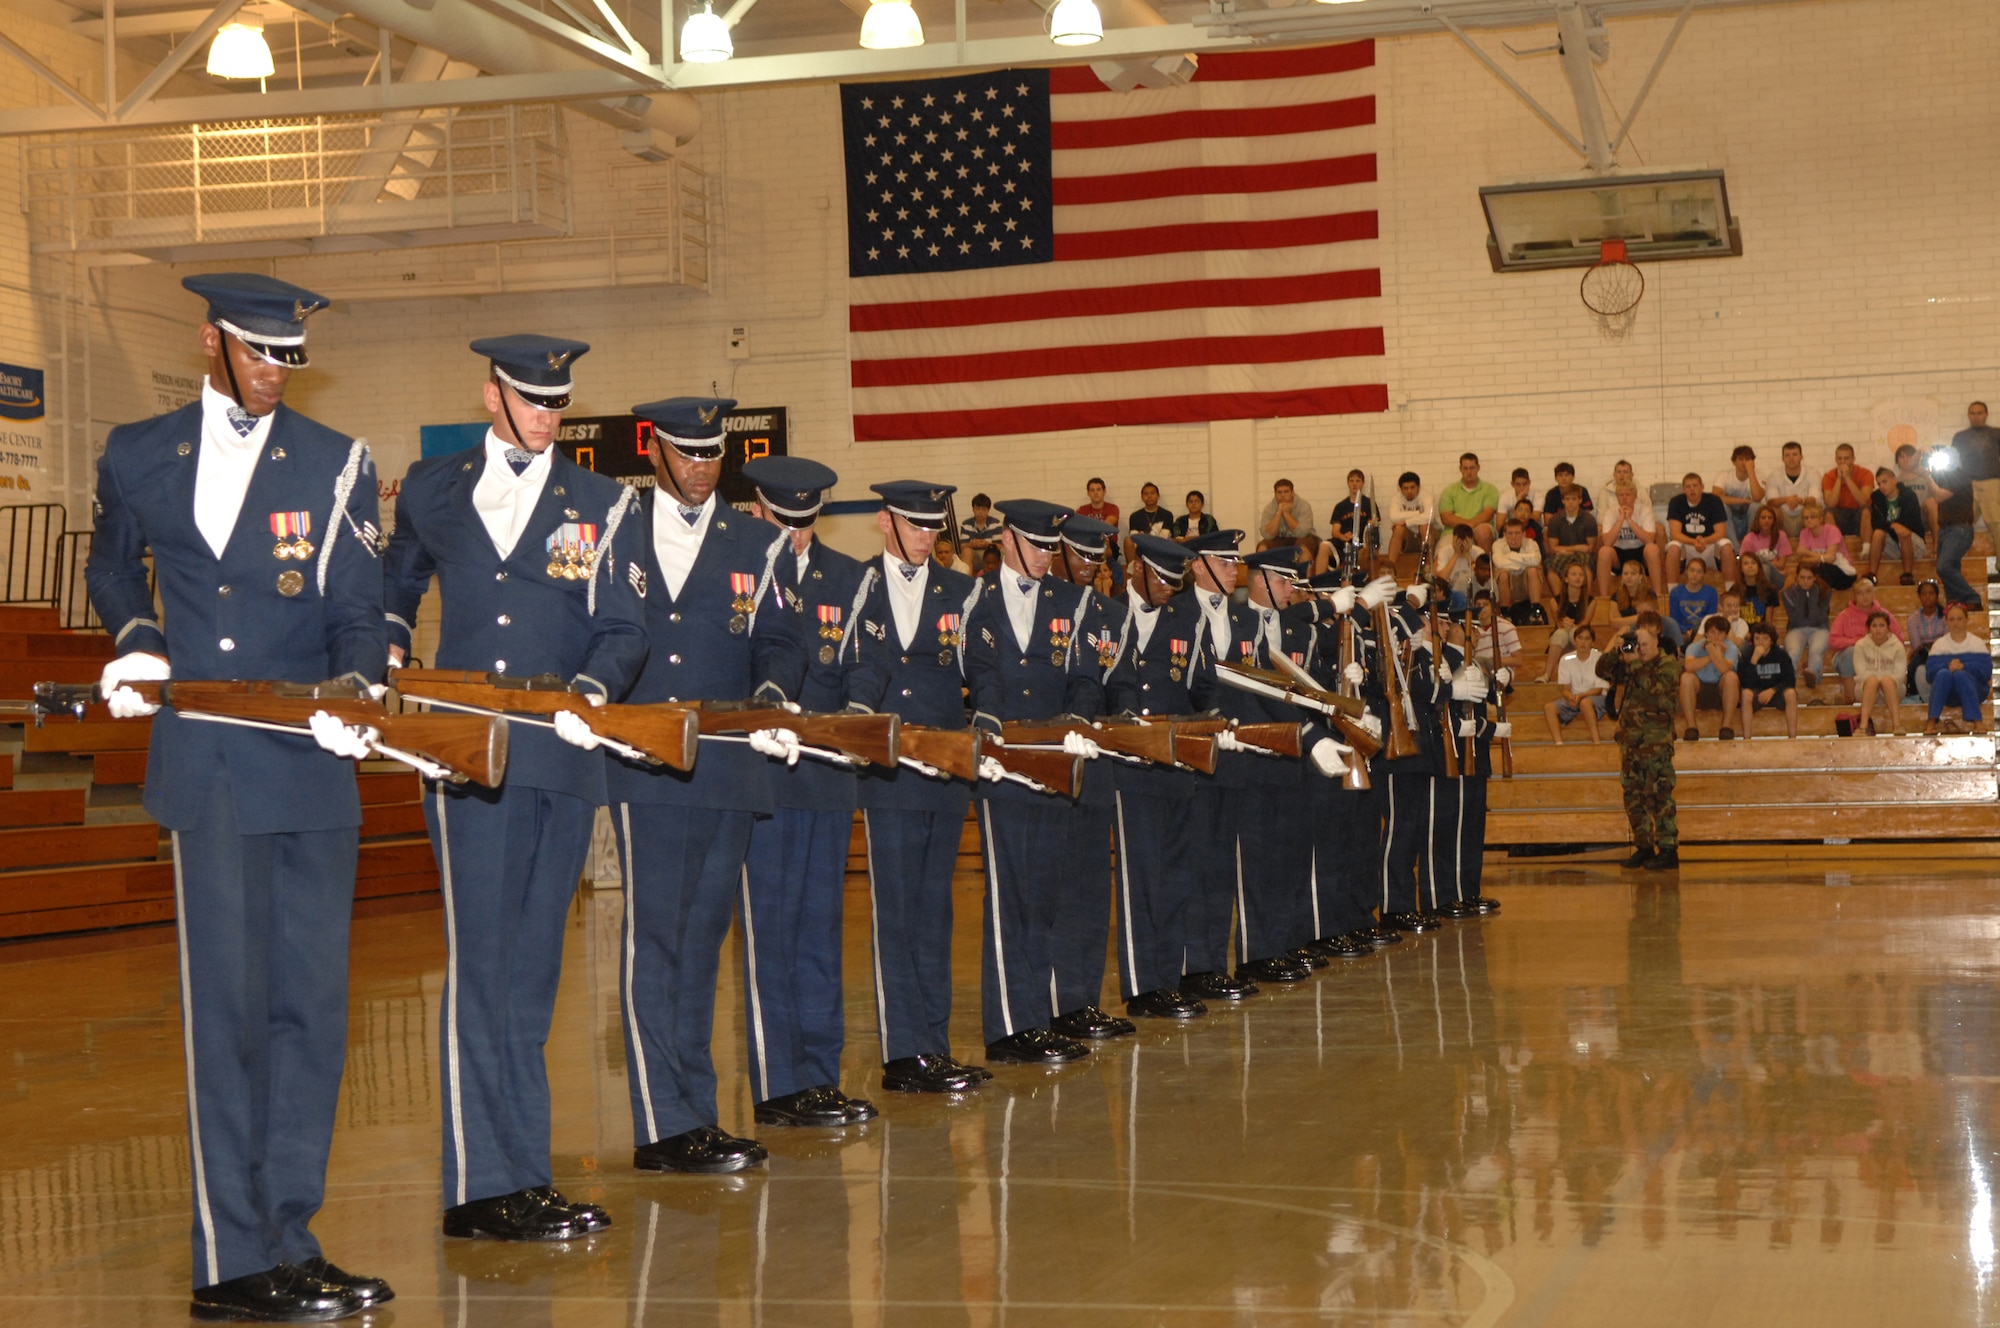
point(705, 37)
point(240, 51)
point(1075, 23)
point(890, 25)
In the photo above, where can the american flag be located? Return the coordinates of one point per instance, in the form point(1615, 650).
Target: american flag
point(1029, 251)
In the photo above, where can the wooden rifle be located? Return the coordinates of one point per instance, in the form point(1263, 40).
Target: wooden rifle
point(663, 734)
point(1278, 739)
point(860, 737)
point(1500, 705)
point(1339, 711)
point(465, 747)
point(1441, 716)
point(1049, 770)
point(1401, 741)
point(1125, 737)
point(954, 752)
point(1356, 777)
point(1470, 762)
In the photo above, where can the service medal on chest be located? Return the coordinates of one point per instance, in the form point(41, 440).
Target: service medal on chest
point(291, 528)
point(290, 582)
point(826, 654)
point(572, 550)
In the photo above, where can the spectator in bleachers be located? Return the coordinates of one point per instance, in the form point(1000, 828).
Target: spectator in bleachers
point(1708, 679)
point(979, 534)
point(942, 551)
point(1844, 491)
point(1925, 624)
point(1741, 491)
point(1767, 556)
point(1671, 636)
point(1698, 530)
point(1768, 682)
point(1568, 608)
point(1731, 611)
point(1353, 525)
point(1634, 595)
point(1607, 496)
point(1807, 626)
point(1531, 521)
point(1579, 691)
point(1285, 518)
point(1961, 672)
point(1626, 534)
point(1483, 630)
point(1196, 521)
point(1916, 477)
point(1410, 516)
point(1789, 487)
point(1820, 541)
point(1849, 626)
point(1483, 580)
point(1517, 568)
point(1453, 566)
point(1895, 515)
point(1951, 495)
point(1522, 486)
point(1552, 501)
point(1097, 508)
point(1570, 535)
point(1977, 446)
point(1149, 518)
point(1881, 664)
point(1693, 600)
point(1472, 502)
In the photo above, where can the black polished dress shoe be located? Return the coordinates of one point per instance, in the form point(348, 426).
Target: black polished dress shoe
point(534, 1214)
point(823, 1108)
point(1344, 947)
point(928, 1074)
point(979, 1072)
point(1164, 1003)
point(1278, 968)
point(1091, 1024)
point(1380, 936)
point(1214, 986)
point(1308, 956)
point(284, 1294)
point(703, 1151)
point(1486, 905)
point(1641, 855)
point(371, 1291)
point(1418, 921)
point(1459, 910)
point(858, 1109)
point(588, 1215)
point(1036, 1046)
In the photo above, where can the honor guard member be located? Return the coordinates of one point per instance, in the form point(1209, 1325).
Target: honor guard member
point(796, 869)
point(521, 540)
point(1406, 830)
point(262, 529)
point(911, 639)
point(721, 628)
point(1458, 834)
point(1018, 666)
point(1082, 929)
point(1163, 815)
point(1227, 631)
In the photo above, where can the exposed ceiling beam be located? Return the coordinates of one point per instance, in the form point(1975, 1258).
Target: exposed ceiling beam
point(50, 77)
point(1386, 18)
point(635, 62)
point(179, 56)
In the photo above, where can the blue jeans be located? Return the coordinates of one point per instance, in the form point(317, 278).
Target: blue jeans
point(1952, 542)
point(1955, 689)
point(1807, 647)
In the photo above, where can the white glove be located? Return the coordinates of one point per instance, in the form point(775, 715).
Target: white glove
point(1468, 728)
point(991, 770)
point(1419, 593)
point(1225, 741)
point(1075, 744)
point(1355, 673)
point(1469, 685)
point(1372, 725)
point(377, 690)
point(1377, 592)
point(1504, 729)
point(338, 738)
point(1503, 676)
point(778, 744)
point(1326, 755)
point(1343, 599)
point(572, 730)
point(135, 667)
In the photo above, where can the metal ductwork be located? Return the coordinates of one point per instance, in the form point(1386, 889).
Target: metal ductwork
point(463, 31)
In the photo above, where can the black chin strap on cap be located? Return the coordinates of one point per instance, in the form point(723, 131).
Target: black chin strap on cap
point(507, 411)
point(896, 534)
point(229, 368)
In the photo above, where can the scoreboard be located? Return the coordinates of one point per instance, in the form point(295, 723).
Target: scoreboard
point(616, 445)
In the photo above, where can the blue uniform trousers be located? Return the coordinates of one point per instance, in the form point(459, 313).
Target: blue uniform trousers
point(1213, 903)
point(793, 879)
point(1083, 903)
point(1458, 837)
point(509, 861)
point(911, 857)
point(1023, 844)
point(1347, 853)
point(1158, 886)
point(683, 874)
point(262, 923)
point(1273, 865)
point(1406, 842)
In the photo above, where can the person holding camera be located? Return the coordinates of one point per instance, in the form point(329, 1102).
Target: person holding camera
point(1652, 681)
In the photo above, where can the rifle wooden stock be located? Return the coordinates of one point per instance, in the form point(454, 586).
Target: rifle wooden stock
point(1500, 704)
point(1356, 778)
point(870, 738)
point(1402, 742)
point(1351, 706)
point(1196, 751)
point(1282, 739)
point(1148, 742)
point(1058, 772)
point(954, 751)
point(665, 732)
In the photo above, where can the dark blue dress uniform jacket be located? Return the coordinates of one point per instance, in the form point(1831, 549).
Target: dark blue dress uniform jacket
point(695, 657)
point(1045, 680)
point(1160, 678)
point(1233, 769)
point(509, 615)
point(829, 596)
point(923, 685)
point(225, 617)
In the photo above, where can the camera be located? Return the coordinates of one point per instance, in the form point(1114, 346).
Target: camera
point(1941, 461)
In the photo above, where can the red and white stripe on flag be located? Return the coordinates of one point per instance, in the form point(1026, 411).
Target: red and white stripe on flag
point(1216, 258)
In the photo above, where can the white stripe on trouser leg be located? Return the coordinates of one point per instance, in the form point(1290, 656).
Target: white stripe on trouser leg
point(993, 894)
point(1315, 893)
point(756, 997)
point(1125, 894)
point(457, 1089)
point(1055, 998)
point(1458, 847)
point(1242, 915)
point(1388, 843)
point(632, 1010)
point(875, 936)
point(201, 1206)
point(1430, 845)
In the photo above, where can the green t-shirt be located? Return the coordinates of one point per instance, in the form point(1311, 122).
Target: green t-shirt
point(1457, 500)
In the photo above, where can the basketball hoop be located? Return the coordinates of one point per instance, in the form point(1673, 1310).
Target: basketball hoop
point(1611, 290)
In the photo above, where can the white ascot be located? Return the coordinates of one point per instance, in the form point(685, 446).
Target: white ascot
point(676, 543)
point(505, 500)
point(222, 478)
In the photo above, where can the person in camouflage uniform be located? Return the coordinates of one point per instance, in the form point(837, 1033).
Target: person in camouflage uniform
point(1652, 680)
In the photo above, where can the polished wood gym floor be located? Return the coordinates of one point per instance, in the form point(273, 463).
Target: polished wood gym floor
point(1755, 1096)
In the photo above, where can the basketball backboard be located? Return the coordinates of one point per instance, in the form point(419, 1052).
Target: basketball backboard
point(1563, 223)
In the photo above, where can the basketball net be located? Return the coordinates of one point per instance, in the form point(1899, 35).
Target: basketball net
point(1611, 289)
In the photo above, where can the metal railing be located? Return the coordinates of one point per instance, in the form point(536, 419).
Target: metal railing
point(29, 535)
point(72, 597)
